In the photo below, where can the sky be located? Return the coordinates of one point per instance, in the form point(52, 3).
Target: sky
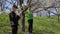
point(25, 2)
point(10, 5)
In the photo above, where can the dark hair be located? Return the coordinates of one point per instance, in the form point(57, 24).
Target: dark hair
point(15, 6)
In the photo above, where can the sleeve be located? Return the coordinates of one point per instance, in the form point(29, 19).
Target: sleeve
point(11, 19)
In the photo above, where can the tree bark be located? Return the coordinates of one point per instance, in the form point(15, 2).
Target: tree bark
point(22, 17)
point(48, 14)
point(58, 19)
point(23, 21)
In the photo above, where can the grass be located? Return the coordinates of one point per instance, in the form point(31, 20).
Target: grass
point(41, 25)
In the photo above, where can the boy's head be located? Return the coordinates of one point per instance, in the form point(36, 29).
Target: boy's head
point(29, 7)
point(14, 8)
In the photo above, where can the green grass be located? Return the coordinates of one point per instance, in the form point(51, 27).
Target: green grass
point(41, 25)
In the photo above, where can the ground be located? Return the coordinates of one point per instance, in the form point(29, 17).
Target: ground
point(41, 25)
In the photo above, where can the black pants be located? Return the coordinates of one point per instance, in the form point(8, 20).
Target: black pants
point(14, 29)
point(30, 28)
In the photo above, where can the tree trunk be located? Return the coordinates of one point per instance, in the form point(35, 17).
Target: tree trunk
point(22, 17)
point(58, 19)
point(1, 5)
point(23, 21)
point(48, 14)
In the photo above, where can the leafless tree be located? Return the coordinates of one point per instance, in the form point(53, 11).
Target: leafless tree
point(22, 16)
point(47, 4)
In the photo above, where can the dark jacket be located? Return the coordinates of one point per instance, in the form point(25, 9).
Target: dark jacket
point(14, 18)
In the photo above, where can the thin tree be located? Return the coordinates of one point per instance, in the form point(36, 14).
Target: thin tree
point(22, 16)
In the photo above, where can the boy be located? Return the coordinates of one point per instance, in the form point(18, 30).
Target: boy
point(29, 16)
point(14, 19)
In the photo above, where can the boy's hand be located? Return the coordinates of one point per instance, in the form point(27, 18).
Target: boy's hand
point(19, 14)
point(26, 14)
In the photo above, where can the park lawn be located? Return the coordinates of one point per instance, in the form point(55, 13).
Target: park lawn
point(41, 25)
